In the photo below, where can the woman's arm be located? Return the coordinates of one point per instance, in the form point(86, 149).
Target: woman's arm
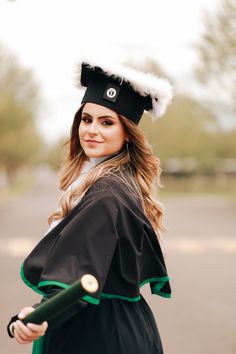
point(25, 334)
point(20, 331)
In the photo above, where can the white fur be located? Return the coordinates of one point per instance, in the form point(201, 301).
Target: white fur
point(144, 83)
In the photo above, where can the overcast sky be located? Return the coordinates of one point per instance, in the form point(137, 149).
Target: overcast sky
point(51, 36)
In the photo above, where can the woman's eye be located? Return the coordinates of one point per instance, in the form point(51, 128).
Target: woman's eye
point(107, 122)
point(86, 120)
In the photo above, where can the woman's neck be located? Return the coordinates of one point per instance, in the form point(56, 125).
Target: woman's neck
point(97, 160)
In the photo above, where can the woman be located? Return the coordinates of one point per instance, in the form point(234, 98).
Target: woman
point(108, 224)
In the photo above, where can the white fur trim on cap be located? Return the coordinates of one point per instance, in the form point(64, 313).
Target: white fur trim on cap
point(145, 84)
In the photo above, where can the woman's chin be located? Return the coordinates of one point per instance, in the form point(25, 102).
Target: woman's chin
point(95, 154)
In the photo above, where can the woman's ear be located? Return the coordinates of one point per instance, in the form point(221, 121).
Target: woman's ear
point(127, 137)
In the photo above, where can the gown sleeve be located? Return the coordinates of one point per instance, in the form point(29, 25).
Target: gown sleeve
point(57, 320)
point(64, 316)
point(85, 245)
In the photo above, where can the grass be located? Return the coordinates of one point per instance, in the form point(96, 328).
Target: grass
point(215, 185)
point(18, 187)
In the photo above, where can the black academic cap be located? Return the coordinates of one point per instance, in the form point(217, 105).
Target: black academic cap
point(127, 91)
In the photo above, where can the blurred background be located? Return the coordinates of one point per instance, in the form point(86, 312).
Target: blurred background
point(193, 44)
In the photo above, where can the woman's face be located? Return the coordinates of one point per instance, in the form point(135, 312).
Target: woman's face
point(101, 132)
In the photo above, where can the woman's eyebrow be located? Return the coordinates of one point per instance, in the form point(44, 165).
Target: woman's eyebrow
point(105, 116)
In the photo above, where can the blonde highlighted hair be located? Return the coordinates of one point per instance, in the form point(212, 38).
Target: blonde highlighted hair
point(142, 179)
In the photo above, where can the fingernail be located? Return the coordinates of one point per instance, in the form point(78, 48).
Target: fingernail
point(20, 315)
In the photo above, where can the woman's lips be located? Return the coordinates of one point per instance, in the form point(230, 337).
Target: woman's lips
point(92, 141)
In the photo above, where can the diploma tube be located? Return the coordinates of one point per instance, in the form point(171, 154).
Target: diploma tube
point(88, 284)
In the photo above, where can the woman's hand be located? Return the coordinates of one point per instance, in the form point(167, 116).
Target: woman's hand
point(25, 334)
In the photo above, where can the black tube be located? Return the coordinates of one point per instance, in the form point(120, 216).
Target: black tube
point(64, 299)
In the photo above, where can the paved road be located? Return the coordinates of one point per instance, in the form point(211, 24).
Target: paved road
point(200, 252)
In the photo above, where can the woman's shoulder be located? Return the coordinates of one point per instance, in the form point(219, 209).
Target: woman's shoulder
point(112, 183)
point(108, 184)
point(120, 190)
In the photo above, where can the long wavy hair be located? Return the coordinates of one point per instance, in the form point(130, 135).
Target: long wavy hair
point(136, 166)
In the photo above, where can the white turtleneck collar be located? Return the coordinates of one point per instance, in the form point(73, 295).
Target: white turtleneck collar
point(97, 160)
point(87, 165)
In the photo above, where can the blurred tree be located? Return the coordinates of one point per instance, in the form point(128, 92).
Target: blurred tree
point(54, 155)
point(217, 53)
point(149, 65)
point(186, 132)
point(19, 103)
point(224, 145)
point(189, 136)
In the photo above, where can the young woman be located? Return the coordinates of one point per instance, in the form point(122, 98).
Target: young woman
point(108, 224)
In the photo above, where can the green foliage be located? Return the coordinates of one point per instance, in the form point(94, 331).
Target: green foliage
point(55, 154)
point(19, 99)
point(190, 133)
point(225, 144)
point(217, 53)
point(218, 44)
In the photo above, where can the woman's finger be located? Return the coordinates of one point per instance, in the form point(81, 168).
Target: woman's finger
point(38, 328)
point(22, 331)
point(26, 334)
point(19, 339)
point(25, 311)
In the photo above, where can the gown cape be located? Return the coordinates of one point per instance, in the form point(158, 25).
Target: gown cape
point(108, 235)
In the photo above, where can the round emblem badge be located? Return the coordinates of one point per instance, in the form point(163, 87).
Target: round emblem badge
point(111, 92)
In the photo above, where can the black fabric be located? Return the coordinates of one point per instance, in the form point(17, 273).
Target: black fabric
point(62, 317)
point(128, 102)
point(115, 326)
point(107, 235)
point(13, 319)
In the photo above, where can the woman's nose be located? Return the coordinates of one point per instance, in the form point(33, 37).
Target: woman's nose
point(93, 128)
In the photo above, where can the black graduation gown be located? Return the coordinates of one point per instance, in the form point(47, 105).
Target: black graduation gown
point(108, 235)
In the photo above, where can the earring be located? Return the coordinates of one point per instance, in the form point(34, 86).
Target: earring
point(127, 148)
